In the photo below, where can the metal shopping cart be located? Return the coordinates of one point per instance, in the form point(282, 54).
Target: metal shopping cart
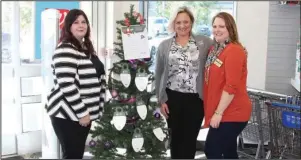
point(257, 132)
point(284, 120)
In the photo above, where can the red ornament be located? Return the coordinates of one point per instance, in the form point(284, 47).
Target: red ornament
point(135, 14)
point(127, 22)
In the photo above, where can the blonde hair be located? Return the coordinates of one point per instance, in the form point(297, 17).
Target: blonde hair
point(184, 9)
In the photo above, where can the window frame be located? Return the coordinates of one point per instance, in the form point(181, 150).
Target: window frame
point(143, 8)
point(33, 57)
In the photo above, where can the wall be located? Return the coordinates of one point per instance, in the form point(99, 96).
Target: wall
point(120, 7)
point(115, 11)
point(284, 24)
point(253, 28)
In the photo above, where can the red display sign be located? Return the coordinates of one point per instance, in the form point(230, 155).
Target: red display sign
point(291, 3)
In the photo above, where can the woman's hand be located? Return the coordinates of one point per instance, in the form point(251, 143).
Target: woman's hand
point(164, 110)
point(85, 121)
point(215, 120)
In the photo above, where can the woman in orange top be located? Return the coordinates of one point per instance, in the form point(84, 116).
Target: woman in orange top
point(226, 101)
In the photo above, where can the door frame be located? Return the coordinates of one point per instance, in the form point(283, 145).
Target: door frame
point(14, 67)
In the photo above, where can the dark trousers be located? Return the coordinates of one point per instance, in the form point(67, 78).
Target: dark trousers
point(221, 142)
point(72, 137)
point(186, 113)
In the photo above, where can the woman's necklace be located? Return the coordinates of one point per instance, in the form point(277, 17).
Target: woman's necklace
point(212, 56)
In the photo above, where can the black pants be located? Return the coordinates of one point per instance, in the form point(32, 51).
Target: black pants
point(72, 137)
point(221, 142)
point(186, 113)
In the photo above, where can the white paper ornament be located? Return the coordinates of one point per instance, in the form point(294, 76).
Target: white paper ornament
point(137, 144)
point(159, 134)
point(125, 75)
point(141, 79)
point(125, 79)
point(141, 83)
point(119, 119)
point(138, 140)
point(142, 111)
point(153, 99)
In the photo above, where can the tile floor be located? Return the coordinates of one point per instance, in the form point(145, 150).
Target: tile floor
point(87, 155)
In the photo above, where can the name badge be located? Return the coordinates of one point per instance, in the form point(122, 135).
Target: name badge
point(218, 62)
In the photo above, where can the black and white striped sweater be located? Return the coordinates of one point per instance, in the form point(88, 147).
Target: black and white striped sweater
point(77, 90)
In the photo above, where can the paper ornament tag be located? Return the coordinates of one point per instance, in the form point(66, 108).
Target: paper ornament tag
point(142, 111)
point(138, 140)
point(137, 143)
point(141, 83)
point(125, 79)
point(119, 122)
point(141, 79)
point(159, 134)
point(119, 118)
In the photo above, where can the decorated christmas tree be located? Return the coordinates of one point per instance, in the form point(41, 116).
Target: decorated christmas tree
point(131, 119)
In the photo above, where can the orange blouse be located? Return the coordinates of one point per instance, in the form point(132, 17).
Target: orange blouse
point(230, 76)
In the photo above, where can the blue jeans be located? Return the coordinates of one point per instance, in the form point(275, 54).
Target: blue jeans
point(221, 143)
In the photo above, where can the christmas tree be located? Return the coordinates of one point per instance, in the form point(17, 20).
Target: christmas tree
point(131, 119)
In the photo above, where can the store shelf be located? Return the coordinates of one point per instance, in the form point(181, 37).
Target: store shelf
point(296, 84)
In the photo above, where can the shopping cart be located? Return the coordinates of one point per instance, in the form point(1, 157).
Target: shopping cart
point(284, 120)
point(257, 132)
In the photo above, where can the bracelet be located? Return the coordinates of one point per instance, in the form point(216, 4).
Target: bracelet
point(218, 113)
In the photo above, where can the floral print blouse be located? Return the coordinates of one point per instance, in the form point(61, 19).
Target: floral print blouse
point(183, 67)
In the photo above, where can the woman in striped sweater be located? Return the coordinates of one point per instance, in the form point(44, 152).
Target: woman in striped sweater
point(77, 97)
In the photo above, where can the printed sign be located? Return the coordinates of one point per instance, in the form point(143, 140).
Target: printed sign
point(135, 42)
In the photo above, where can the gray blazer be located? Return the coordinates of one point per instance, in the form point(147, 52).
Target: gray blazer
point(162, 67)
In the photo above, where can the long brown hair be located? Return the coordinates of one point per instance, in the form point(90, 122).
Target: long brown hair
point(67, 36)
point(230, 25)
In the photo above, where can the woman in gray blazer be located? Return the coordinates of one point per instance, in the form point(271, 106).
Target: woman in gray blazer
point(179, 77)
